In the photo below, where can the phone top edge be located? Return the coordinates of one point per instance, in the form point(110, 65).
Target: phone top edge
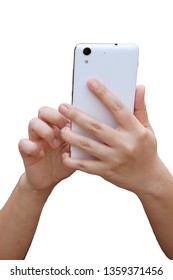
point(109, 43)
point(116, 45)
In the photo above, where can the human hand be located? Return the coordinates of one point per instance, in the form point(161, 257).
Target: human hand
point(42, 152)
point(127, 155)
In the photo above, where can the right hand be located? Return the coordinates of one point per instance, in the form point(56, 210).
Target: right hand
point(42, 152)
point(125, 156)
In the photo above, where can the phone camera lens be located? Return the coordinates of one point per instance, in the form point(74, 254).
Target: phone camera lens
point(86, 51)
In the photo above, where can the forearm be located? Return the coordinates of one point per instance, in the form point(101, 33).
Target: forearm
point(158, 205)
point(18, 220)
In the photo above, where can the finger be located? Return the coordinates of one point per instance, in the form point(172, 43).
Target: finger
point(28, 148)
point(119, 111)
point(100, 130)
point(38, 130)
point(52, 117)
point(89, 166)
point(140, 110)
point(90, 146)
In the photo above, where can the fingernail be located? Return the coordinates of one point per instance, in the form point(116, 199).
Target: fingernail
point(65, 128)
point(94, 84)
point(64, 108)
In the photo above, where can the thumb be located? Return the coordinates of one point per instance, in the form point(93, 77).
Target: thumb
point(140, 110)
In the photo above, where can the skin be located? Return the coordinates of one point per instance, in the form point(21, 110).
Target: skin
point(44, 169)
point(133, 165)
point(126, 156)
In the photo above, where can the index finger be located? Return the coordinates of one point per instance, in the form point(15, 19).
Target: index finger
point(119, 111)
point(52, 117)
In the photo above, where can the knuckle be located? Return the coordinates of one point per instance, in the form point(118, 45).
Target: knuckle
point(95, 127)
point(133, 147)
point(131, 151)
point(116, 106)
point(107, 173)
point(73, 114)
point(127, 151)
point(84, 144)
point(142, 135)
point(81, 165)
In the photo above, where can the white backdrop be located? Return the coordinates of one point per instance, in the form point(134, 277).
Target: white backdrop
point(86, 220)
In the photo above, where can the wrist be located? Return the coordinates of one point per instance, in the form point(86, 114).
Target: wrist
point(158, 182)
point(26, 187)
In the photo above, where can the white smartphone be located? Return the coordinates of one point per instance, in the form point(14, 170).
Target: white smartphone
point(115, 65)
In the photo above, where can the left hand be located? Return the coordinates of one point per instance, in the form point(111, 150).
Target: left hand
point(42, 152)
point(127, 156)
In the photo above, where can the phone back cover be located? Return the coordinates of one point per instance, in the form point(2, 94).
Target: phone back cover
point(115, 65)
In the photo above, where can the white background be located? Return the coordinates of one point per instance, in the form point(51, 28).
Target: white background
point(86, 220)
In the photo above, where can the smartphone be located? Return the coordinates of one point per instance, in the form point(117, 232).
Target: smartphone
point(115, 65)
